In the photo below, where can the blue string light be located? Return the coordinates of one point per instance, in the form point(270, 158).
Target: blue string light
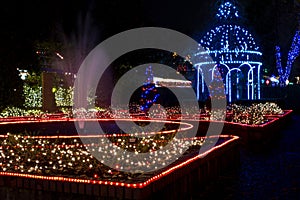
point(231, 47)
point(227, 11)
point(278, 64)
point(149, 95)
point(292, 55)
point(294, 52)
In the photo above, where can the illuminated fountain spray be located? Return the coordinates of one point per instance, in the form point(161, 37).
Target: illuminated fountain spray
point(235, 55)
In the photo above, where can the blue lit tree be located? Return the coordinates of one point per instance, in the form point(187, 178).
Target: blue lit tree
point(149, 94)
point(292, 55)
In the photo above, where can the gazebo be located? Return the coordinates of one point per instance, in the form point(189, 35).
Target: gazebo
point(235, 56)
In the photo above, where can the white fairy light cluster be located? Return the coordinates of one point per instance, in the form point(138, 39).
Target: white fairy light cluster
point(250, 115)
point(43, 156)
point(32, 96)
point(128, 112)
point(217, 114)
point(13, 111)
point(270, 108)
point(64, 96)
point(254, 114)
point(159, 156)
point(238, 113)
point(69, 157)
point(83, 113)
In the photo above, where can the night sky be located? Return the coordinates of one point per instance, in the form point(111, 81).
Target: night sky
point(24, 24)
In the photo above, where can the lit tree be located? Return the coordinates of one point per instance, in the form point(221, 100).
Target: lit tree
point(149, 92)
point(292, 55)
point(32, 91)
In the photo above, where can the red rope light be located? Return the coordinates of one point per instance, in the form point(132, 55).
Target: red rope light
point(122, 184)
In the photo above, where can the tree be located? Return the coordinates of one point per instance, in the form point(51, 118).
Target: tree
point(149, 92)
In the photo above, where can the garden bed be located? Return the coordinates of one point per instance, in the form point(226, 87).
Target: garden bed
point(284, 118)
point(68, 126)
point(248, 134)
point(177, 180)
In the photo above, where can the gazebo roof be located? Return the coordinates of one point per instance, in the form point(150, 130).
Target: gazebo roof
point(230, 43)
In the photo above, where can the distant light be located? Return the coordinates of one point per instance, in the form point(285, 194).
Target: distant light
point(287, 82)
point(273, 79)
point(60, 56)
point(23, 73)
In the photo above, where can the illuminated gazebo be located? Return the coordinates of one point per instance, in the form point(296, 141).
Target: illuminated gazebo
point(234, 55)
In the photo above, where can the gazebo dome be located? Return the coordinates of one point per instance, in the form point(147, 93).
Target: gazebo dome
point(231, 44)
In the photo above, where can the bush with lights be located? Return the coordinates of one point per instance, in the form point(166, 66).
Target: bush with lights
point(64, 97)
point(251, 115)
point(68, 157)
point(33, 96)
point(20, 112)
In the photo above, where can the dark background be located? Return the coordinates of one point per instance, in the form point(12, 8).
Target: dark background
point(81, 25)
point(25, 22)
